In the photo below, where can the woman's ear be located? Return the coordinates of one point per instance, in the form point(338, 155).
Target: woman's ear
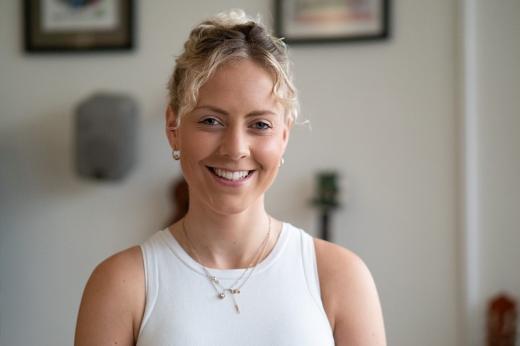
point(171, 128)
point(286, 132)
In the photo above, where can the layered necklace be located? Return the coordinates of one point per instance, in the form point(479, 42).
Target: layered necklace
point(234, 289)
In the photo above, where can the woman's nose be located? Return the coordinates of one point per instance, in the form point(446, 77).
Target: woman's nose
point(234, 143)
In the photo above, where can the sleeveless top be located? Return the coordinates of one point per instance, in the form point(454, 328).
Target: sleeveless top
point(280, 304)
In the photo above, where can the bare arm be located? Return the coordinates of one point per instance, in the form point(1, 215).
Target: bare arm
point(113, 302)
point(349, 296)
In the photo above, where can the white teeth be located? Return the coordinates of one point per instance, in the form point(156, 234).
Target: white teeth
point(229, 175)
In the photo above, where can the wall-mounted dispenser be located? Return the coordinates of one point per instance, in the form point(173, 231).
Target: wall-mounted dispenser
point(106, 136)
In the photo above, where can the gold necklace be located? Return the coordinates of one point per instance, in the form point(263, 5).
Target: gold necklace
point(215, 282)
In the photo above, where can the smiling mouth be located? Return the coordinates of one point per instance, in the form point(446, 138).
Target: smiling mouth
point(230, 175)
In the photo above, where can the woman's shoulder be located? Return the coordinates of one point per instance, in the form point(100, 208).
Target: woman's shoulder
point(122, 272)
point(113, 300)
point(121, 268)
point(336, 257)
point(349, 295)
point(338, 268)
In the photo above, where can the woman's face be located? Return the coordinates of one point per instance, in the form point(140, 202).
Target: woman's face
point(232, 142)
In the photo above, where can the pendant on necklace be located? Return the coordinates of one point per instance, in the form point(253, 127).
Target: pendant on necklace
point(221, 295)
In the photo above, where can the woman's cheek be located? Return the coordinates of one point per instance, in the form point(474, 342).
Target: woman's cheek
point(273, 147)
point(269, 158)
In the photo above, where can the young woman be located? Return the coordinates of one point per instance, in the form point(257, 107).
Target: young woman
point(228, 273)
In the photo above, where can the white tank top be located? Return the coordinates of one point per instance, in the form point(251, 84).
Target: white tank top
point(280, 304)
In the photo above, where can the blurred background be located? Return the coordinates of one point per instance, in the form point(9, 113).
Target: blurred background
point(423, 130)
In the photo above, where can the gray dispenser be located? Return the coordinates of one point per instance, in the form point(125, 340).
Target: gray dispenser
point(106, 136)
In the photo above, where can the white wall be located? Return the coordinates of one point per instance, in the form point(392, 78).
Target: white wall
point(382, 114)
point(493, 196)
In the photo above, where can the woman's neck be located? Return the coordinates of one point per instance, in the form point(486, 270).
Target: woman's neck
point(225, 241)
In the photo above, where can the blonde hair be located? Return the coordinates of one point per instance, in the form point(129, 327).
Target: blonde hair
point(226, 36)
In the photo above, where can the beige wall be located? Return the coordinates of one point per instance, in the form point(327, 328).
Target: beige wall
point(492, 86)
point(382, 114)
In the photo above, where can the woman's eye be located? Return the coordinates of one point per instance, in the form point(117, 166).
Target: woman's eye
point(261, 125)
point(210, 122)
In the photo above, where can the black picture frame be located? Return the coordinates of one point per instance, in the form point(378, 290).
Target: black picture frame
point(41, 35)
point(326, 21)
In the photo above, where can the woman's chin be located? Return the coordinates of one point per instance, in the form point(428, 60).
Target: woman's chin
point(232, 206)
point(228, 210)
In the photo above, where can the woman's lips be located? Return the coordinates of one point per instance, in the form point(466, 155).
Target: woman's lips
point(231, 177)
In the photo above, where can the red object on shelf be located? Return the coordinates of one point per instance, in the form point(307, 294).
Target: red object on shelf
point(501, 321)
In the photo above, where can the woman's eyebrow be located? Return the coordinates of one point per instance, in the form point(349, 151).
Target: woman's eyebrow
point(223, 112)
point(261, 112)
point(213, 109)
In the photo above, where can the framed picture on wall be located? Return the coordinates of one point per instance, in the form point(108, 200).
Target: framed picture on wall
point(312, 21)
point(78, 25)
